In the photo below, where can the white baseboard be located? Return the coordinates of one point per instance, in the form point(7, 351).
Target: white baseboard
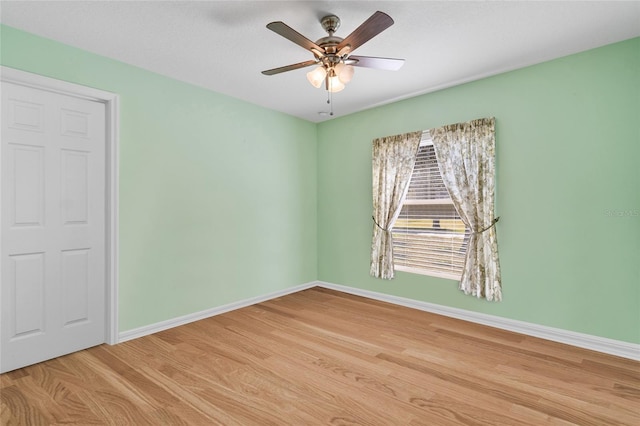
point(586, 341)
point(196, 316)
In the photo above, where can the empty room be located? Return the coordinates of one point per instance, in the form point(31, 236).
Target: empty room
point(320, 213)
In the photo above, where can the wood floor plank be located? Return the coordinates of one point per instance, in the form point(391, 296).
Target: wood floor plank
point(21, 409)
point(320, 357)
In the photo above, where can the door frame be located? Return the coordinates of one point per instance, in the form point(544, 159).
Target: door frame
point(112, 127)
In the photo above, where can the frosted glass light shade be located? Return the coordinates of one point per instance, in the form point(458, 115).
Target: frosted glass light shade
point(316, 77)
point(344, 72)
point(335, 85)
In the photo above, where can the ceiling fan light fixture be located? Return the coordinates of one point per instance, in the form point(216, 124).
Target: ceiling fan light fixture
point(334, 84)
point(317, 76)
point(344, 72)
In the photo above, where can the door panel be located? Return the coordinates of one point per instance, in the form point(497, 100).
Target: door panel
point(26, 284)
point(75, 187)
point(26, 176)
point(75, 285)
point(53, 225)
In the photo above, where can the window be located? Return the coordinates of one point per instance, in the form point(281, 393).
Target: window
point(429, 237)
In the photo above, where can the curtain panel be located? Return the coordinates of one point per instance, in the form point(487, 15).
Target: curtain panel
point(466, 158)
point(393, 161)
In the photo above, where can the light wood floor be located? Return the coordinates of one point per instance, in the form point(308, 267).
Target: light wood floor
point(320, 357)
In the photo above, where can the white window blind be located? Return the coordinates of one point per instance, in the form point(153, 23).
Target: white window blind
point(429, 237)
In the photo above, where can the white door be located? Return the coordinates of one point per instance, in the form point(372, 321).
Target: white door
point(53, 225)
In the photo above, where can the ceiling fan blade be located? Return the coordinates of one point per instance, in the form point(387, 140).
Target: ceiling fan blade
point(289, 67)
point(389, 64)
point(377, 23)
point(289, 33)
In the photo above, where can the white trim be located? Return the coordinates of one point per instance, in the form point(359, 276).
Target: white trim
point(196, 316)
point(581, 340)
point(429, 273)
point(112, 248)
point(111, 101)
point(49, 84)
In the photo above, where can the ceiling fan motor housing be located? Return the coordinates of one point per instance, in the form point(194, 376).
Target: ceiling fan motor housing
point(329, 44)
point(330, 24)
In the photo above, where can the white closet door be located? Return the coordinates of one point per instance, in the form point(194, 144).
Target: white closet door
point(53, 225)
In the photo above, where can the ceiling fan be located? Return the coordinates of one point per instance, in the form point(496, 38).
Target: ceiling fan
point(332, 54)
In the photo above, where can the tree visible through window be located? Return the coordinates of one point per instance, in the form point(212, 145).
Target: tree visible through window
point(429, 237)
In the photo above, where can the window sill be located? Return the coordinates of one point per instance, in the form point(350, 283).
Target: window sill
point(436, 274)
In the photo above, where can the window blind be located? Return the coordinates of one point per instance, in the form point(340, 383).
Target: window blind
point(429, 237)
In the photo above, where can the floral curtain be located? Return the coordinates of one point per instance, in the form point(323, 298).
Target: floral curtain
point(466, 158)
point(393, 160)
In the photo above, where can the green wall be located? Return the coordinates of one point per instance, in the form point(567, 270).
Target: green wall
point(568, 191)
point(217, 196)
point(221, 200)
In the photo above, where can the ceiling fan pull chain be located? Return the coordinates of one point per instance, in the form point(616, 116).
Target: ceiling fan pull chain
point(330, 100)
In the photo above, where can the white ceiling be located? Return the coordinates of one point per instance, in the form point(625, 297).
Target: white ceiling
point(223, 45)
